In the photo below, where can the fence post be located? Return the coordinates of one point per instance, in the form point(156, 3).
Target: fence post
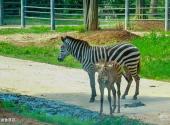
point(167, 15)
point(52, 4)
point(1, 12)
point(22, 13)
point(126, 14)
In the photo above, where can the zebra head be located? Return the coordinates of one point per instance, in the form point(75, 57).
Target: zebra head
point(103, 70)
point(63, 50)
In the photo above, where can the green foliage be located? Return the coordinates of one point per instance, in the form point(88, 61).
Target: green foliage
point(7, 31)
point(155, 51)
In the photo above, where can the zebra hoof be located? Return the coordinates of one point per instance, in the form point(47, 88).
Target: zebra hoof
point(92, 99)
point(135, 98)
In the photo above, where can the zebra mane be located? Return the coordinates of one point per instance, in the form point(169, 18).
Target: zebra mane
point(77, 40)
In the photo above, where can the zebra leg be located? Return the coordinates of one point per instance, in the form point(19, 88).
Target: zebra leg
point(129, 79)
point(137, 79)
point(114, 98)
point(92, 85)
point(101, 99)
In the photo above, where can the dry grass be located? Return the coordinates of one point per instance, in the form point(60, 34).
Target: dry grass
point(107, 36)
point(147, 26)
point(98, 37)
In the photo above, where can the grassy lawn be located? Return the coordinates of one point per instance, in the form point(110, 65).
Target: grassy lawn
point(39, 30)
point(155, 51)
point(41, 116)
point(46, 54)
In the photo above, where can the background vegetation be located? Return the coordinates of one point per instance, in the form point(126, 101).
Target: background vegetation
point(72, 10)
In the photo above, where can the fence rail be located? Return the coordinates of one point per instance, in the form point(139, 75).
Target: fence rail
point(107, 13)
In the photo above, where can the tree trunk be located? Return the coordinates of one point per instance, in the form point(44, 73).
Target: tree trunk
point(91, 14)
point(86, 4)
point(153, 10)
point(139, 9)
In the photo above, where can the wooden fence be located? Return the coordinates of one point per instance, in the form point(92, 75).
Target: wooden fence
point(107, 13)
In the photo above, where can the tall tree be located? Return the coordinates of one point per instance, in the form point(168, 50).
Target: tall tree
point(153, 9)
point(139, 9)
point(91, 14)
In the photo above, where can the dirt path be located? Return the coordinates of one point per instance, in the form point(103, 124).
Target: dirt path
point(72, 86)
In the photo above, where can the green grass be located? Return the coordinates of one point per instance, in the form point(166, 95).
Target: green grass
point(155, 51)
point(41, 116)
point(40, 29)
point(40, 54)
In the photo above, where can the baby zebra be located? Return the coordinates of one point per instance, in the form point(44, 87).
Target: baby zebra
point(108, 74)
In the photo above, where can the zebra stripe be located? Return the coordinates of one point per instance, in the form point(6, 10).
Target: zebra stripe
point(123, 54)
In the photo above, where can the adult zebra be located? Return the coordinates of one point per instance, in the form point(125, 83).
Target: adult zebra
point(125, 54)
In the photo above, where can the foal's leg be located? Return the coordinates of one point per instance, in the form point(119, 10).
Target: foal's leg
point(109, 99)
point(114, 98)
point(101, 99)
point(92, 85)
point(118, 93)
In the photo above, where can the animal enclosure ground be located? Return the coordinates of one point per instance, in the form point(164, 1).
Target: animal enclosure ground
point(59, 83)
